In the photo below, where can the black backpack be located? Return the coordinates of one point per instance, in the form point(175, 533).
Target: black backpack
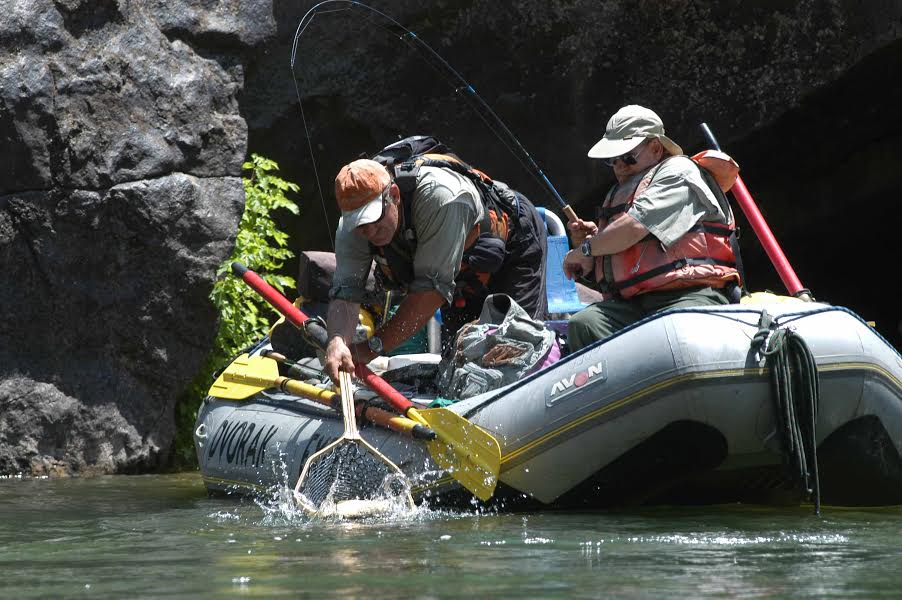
point(409, 148)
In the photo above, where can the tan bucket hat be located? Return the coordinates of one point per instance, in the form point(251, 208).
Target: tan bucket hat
point(358, 192)
point(629, 127)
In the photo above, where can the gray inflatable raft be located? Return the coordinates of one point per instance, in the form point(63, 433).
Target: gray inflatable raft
point(679, 408)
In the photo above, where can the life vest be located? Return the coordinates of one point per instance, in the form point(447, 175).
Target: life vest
point(704, 256)
point(484, 248)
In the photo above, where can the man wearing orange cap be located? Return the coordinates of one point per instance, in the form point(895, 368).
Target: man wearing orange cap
point(449, 239)
point(665, 236)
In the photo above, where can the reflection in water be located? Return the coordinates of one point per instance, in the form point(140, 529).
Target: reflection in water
point(162, 536)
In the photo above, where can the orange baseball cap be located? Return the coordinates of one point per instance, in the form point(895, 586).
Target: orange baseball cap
point(358, 191)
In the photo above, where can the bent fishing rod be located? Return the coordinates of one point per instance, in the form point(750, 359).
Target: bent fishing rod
point(461, 86)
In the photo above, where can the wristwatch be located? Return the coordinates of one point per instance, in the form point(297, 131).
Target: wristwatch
point(375, 344)
point(586, 247)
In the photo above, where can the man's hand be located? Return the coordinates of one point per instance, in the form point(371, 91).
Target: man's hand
point(577, 265)
point(580, 229)
point(338, 358)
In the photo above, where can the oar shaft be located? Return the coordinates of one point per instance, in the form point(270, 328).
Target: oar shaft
point(409, 427)
point(762, 230)
point(766, 237)
point(384, 389)
point(270, 294)
point(318, 333)
point(403, 425)
point(294, 368)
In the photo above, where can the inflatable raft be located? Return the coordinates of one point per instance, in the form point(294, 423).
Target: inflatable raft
point(683, 407)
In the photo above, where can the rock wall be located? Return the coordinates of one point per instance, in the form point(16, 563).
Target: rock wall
point(803, 93)
point(124, 124)
point(120, 193)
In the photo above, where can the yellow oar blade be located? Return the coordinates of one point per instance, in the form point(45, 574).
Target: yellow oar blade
point(471, 454)
point(244, 377)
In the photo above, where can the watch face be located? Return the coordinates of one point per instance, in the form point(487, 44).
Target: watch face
point(375, 344)
point(586, 248)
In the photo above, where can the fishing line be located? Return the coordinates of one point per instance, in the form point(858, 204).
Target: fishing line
point(460, 85)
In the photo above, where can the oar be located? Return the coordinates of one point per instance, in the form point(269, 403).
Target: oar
point(469, 453)
point(294, 368)
point(762, 230)
point(250, 375)
point(419, 432)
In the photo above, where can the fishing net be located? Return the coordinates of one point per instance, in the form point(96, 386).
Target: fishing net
point(347, 471)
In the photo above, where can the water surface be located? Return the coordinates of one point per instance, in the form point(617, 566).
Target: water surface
point(161, 536)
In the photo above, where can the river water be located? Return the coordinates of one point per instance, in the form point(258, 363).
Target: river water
point(161, 536)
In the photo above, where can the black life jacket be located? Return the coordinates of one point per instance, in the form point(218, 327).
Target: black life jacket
point(485, 246)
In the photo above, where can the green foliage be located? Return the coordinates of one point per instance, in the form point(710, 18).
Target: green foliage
point(244, 317)
point(260, 245)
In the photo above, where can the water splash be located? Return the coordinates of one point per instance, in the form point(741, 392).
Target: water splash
point(281, 506)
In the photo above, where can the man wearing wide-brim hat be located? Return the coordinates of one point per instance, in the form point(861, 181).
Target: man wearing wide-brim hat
point(664, 237)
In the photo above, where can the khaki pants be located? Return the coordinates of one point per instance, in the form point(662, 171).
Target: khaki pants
point(602, 319)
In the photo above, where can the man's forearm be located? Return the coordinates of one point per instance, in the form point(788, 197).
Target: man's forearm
point(620, 234)
point(342, 319)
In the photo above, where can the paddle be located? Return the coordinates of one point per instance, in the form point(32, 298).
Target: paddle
point(469, 453)
point(763, 231)
point(250, 375)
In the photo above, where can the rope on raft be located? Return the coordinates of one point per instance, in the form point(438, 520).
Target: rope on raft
point(794, 379)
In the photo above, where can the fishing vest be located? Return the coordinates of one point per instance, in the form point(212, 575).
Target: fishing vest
point(704, 256)
point(485, 246)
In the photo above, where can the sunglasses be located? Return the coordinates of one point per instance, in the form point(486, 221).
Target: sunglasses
point(630, 158)
point(386, 198)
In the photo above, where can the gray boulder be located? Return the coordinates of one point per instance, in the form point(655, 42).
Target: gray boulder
point(120, 194)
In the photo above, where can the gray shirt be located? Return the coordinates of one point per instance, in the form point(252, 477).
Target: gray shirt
point(676, 199)
point(446, 207)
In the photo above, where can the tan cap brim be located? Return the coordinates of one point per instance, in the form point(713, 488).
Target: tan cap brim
point(606, 148)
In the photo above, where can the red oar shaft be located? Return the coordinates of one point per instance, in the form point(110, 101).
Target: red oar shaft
point(762, 230)
point(270, 294)
point(766, 237)
point(319, 335)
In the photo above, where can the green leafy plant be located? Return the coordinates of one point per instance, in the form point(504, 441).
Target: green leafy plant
point(243, 316)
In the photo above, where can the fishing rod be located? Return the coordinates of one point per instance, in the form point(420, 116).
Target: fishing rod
point(461, 86)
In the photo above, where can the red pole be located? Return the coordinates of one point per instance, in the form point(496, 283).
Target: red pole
point(767, 239)
point(765, 235)
point(318, 335)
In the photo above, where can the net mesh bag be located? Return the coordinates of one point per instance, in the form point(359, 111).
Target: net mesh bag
point(348, 471)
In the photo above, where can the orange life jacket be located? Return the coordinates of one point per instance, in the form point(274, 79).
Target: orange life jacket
point(702, 257)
